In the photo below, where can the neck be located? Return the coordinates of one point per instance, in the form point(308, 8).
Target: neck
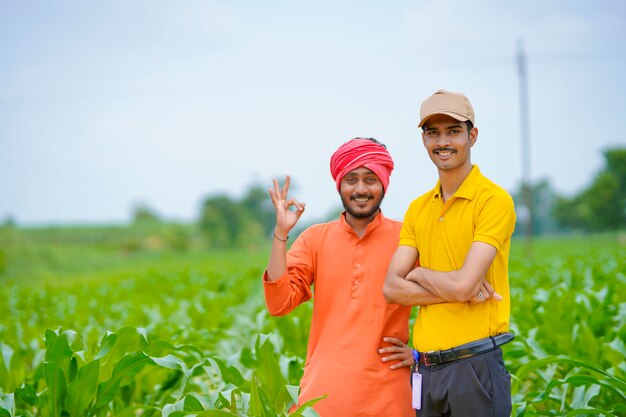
point(451, 180)
point(360, 224)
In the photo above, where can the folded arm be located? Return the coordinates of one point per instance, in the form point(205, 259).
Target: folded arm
point(464, 284)
point(397, 289)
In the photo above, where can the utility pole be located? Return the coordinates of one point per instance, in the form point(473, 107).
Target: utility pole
point(525, 141)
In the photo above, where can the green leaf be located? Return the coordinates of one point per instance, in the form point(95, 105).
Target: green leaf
point(58, 349)
point(616, 383)
point(217, 413)
point(106, 345)
point(75, 340)
point(129, 366)
point(171, 362)
point(72, 369)
point(256, 404)
point(268, 371)
point(128, 340)
point(306, 408)
point(590, 412)
point(82, 392)
point(170, 409)
point(228, 374)
point(49, 337)
point(287, 397)
point(7, 354)
point(107, 391)
point(192, 403)
point(27, 394)
point(7, 404)
point(53, 398)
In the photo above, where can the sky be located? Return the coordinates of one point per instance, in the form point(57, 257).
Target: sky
point(110, 105)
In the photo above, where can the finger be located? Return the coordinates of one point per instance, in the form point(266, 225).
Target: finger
point(394, 340)
point(402, 364)
point(276, 188)
point(285, 189)
point(273, 197)
point(488, 289)
point(497, 296)
point(394, 357)
point(392, 349)
point(299, 206)
point(293, 202)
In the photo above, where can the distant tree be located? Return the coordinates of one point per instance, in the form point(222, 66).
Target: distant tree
point(601, 206)
point(225, 222)
point(9, 222)
point(143, 214)
point(543, 200)
point(259, 206)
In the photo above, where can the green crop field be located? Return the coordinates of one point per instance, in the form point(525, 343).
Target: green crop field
point(128, 322)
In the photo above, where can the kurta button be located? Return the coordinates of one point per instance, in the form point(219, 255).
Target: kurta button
point(441, 219)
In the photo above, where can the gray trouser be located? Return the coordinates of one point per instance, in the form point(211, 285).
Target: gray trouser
point(476, 386)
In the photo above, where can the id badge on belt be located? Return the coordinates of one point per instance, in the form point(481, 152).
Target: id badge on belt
point(417, 383)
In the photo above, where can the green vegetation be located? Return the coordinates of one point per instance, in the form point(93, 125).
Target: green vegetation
point(600, 207)
point(124, 321)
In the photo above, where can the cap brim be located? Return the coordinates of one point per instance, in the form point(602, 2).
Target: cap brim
point(453, 115)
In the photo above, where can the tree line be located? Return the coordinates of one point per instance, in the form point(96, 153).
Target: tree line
point(599, 207)
point(225, 221)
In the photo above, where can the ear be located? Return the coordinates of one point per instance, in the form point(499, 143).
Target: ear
point(424, 138)
point(473, 136)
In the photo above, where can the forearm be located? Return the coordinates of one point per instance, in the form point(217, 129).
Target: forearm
point(286, 292)
point(277, 264)
point(453, 286)
point(398, 290)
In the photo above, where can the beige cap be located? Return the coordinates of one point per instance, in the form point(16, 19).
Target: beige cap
point(455, 105)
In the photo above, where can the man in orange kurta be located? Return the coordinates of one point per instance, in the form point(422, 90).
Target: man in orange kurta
point(354, 334)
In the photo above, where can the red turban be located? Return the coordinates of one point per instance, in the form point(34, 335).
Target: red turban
point(360, 152)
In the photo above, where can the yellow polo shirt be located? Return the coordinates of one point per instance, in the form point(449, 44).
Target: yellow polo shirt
point(479, 211)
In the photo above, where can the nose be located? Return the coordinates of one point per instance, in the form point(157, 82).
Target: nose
point(443, 140)
point(360, 187)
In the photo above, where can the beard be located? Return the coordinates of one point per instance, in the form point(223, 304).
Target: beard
point(361, 214)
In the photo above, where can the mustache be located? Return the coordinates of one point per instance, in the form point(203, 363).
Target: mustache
point(443, 149)
point(361, 196)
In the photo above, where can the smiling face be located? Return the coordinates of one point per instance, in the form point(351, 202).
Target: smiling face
point(448, 142)
point(361, 193)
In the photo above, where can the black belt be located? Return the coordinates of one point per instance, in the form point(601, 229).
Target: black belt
point(467, 350)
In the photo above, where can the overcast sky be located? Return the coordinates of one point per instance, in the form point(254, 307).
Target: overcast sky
point(108, 104)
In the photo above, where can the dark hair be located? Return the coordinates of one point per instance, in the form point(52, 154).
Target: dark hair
point(375, 141)
point(468, 123)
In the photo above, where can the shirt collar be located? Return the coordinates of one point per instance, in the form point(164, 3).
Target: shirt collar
point(371, 226)
point(468, 187)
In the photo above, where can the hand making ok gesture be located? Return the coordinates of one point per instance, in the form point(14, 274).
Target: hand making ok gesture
point(285, 219)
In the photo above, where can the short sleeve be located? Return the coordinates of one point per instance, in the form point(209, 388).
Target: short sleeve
point(407, 233)
point(495, 220)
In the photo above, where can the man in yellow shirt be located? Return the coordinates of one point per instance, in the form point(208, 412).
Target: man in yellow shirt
point(459, 233)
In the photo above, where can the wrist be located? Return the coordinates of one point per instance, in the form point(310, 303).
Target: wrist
point(283, 237)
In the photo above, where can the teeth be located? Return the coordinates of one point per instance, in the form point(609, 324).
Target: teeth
point(361, 200)
point(444, 153)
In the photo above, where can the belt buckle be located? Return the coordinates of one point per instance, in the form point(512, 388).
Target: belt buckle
point(426, 355)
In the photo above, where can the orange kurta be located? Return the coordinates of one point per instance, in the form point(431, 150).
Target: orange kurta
point(350, 318)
